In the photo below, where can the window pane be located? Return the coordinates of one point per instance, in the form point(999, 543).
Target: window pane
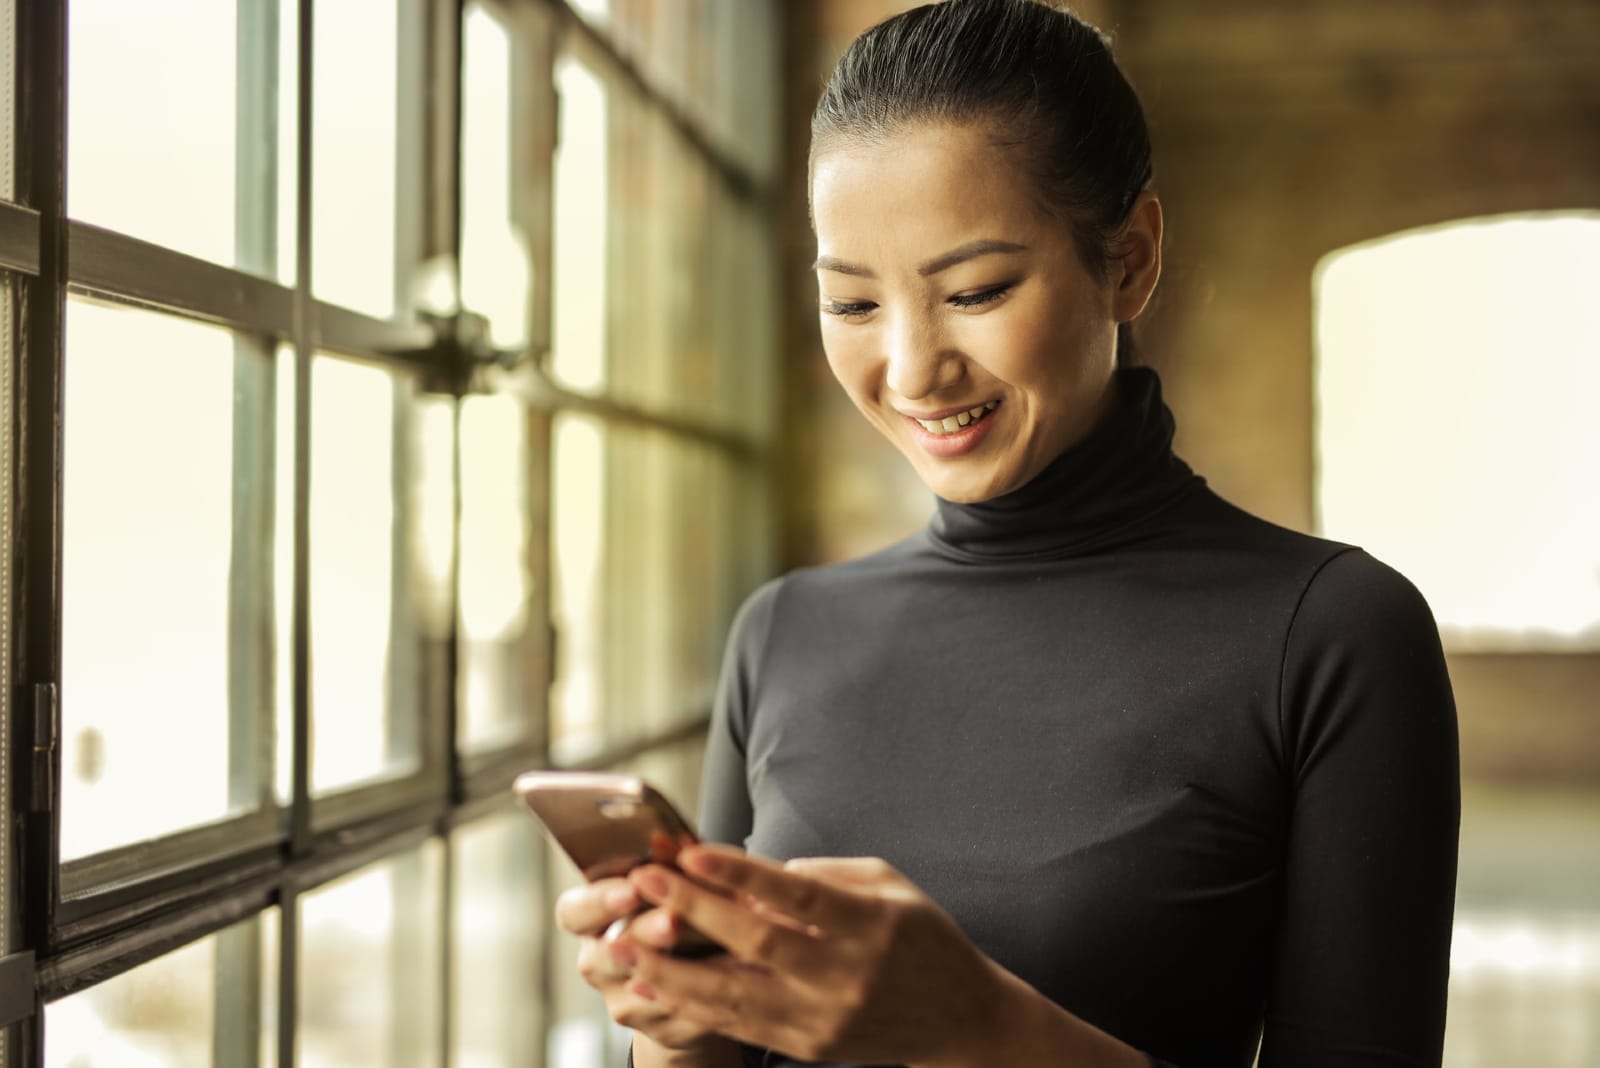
point(363, 662)
point(639, 212)
point(168, 621)
point(1456, 472)
point(354, 155)
point(581, 231)
point(650, 557)
point(212, 1002)
point(494, 251)
point(496, 698)
point(371, 967)
point(500, 911)
point(196, 151)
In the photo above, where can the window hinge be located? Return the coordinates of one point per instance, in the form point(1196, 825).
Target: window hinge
point(17, 999)
point(46, 717)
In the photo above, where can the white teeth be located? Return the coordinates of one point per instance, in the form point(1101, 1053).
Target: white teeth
point(951, 424)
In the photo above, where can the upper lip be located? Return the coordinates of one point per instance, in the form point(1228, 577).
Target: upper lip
point(945, 413)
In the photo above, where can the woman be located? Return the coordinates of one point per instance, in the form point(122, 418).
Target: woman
point(1128, 776)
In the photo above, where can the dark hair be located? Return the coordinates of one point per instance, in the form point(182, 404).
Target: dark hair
point(1045, 81)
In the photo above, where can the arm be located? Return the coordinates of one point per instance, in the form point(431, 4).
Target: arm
point(1369, 733)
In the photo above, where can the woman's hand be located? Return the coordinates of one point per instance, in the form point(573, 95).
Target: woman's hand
point(828, 960)
point(606, 959)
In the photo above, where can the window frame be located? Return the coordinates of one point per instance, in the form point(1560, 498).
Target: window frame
point(102, 915)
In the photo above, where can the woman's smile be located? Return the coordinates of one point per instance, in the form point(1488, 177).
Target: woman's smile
point(952, 432)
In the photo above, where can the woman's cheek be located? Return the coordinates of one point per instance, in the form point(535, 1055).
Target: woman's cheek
point(848, 359)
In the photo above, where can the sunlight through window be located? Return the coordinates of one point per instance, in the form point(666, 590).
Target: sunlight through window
point(1457, 374)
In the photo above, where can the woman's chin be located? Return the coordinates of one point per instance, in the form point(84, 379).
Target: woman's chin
point(980, 483)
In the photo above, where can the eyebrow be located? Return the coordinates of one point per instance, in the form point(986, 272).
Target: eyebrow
point(942, 262)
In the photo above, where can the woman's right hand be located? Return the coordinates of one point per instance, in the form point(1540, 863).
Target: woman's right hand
point(605, 960)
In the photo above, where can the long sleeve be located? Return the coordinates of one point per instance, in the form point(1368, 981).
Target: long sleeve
point(725, 813)
point(1370, 742)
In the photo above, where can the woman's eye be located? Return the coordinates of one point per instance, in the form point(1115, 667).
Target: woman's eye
point(987, 296)
point(848, 309)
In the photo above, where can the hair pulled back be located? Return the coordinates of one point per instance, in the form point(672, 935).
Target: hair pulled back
point(1039, 77)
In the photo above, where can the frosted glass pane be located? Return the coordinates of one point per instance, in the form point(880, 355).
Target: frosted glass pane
point(578, 301)
point(162, 150)
point(371, 966)
point(499, 913)
point(211, 1002)
point(355, 131)
point(147, 550)
point(494, 258)
point(495, 690)
point(352, 570)
point(1458, 372)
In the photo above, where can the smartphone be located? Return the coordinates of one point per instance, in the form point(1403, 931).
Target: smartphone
point(607, 823)
point(610, 824)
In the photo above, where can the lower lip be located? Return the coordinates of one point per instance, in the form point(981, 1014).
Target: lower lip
point(962, 441)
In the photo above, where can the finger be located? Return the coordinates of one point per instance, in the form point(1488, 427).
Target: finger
point(716, 993)
point(737, 1000)
point(742, 932)
point(606, 965)
point(589, 909)
point(658, 929)
point(858, 872)
point(808, 899)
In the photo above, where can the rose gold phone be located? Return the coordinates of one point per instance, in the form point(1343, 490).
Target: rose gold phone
point(610, 824)
point(607, 823)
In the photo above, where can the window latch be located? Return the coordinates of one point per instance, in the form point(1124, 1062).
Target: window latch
point(463, 347)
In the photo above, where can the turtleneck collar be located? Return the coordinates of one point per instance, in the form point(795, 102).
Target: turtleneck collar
point(1087, 497)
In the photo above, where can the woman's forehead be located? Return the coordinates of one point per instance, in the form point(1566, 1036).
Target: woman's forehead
point(930, 185)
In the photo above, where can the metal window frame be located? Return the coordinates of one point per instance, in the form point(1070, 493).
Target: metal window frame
point(103, 915)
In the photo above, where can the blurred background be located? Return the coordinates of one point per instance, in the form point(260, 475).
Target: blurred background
point(400, 394)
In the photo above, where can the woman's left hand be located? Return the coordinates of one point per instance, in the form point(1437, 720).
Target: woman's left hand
point(828, 959)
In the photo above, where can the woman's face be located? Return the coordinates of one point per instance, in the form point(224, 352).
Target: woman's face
point(957, 314)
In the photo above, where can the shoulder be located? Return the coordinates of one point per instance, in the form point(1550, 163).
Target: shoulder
point(1363, 668)
point(1354, 596)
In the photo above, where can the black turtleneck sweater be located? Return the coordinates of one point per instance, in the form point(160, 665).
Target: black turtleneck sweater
point(1191, 775)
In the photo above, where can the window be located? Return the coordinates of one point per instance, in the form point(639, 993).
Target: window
point(1457, 371)
point(368, 493)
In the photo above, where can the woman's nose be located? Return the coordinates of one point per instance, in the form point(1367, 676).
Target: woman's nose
point(920, 364)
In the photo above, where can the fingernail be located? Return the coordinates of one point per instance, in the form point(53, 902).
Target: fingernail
point(644, 990)
point(700, 862)
point(624, 955)
point(621, 898)
point(651, 883)
point(657, 928)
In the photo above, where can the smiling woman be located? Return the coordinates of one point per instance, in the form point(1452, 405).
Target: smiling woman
point(1097, 769)
point(981, 299)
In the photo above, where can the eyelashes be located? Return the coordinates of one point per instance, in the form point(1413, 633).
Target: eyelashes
point(847, 311)
point(859, 309)
point(987, 296)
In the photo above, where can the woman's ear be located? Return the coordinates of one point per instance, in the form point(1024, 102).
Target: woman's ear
point(1138, 265)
